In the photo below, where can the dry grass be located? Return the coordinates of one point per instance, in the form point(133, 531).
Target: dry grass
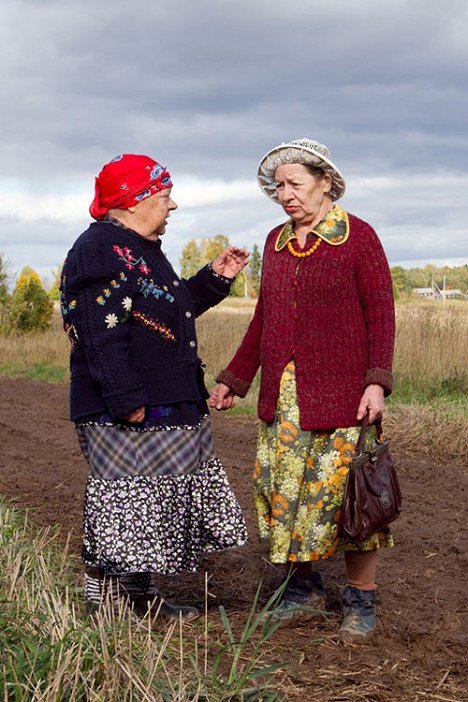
point(432, 345)
point(434, 431)
point(51, 652)
point(431, 367)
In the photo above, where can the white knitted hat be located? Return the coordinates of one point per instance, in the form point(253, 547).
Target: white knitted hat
point(305, 151)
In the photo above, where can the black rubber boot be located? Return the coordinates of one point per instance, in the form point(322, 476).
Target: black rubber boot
point(303, 592)
point(135, 591)
point(359, 613)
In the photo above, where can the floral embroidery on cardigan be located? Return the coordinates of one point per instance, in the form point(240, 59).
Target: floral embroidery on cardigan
point(334, 229)
point(111, 320)
point(65, 306)
point(71, 334)
point(154, 325)
point(149, 287)
point(107, 292)
point(125, 254)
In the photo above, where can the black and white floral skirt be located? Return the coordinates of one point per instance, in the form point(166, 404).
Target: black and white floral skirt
point(155, 500)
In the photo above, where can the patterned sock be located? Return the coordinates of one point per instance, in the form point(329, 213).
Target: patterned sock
point(97, 589)
point(136, 584)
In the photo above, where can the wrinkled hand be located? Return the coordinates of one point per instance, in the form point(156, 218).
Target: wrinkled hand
point(372, 401)
point(135, 416)
point(221, 397)
point(230, 261)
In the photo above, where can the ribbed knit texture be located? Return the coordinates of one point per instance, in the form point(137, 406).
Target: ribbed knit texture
point(131, 321)
point(333, 313)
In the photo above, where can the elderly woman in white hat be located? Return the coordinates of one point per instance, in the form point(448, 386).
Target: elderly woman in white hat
point(322, 333)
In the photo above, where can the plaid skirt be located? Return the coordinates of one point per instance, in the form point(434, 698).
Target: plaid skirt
point(155, 500)
point(299, 479)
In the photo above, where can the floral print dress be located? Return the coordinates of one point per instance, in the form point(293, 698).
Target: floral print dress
point(299, 479)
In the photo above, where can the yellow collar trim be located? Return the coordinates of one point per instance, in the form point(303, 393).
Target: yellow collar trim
point(334, 229)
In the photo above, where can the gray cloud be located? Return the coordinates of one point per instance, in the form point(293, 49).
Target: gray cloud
point(208, 87)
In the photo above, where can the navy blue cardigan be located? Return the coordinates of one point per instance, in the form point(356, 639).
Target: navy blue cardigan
point(131, 323)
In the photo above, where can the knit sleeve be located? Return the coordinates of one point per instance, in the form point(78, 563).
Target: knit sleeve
point(376, 294)
point(98, 294)
point(241, 370)
point(207, 289)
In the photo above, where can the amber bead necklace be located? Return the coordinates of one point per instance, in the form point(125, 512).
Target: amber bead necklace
point(303, 254)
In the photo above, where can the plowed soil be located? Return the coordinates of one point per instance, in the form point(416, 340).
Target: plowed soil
point(420, 649)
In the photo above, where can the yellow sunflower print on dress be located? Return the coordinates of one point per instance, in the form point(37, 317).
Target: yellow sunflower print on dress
point(299, 477)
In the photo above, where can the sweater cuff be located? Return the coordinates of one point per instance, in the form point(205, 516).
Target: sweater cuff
point(224, 280)
point(380, 376)
point(238, 386)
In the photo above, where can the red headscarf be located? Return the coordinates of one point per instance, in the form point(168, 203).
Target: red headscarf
point(125, 181)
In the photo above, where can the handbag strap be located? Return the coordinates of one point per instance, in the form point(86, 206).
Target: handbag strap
point(364, 427)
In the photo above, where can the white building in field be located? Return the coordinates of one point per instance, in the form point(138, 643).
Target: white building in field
point(424, 292)
point(435, 293)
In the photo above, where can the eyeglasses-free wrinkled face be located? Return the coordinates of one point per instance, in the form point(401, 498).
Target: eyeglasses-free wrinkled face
point(301, 193)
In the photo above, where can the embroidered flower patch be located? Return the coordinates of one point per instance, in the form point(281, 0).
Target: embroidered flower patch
point(126, 255)
point(149, 287)
point(111, 320)
point(154, 325)
point(113, 285)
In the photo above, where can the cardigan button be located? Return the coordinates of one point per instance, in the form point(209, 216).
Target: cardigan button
point(193, 344)
point(188, 314)
point(175, 283)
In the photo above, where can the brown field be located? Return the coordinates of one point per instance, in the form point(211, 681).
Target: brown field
point(419, 650)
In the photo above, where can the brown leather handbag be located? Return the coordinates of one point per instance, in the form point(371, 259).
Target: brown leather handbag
point(372, 495)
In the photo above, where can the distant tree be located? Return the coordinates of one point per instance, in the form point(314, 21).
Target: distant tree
point(418, 278)
point(240, 286)
point(3, 280)
point(190, 260)
point(195, 255)
point(4, 295)
point(399, 278)
point(54, 290)
point(212, 247)
point(255, 268)
point(31, 308)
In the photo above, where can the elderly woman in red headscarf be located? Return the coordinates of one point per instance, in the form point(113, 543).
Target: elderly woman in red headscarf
point(157, 498)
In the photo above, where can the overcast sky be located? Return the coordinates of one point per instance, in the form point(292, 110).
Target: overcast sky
point(207, 87)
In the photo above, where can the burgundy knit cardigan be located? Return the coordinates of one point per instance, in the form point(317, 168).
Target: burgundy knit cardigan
point(333, 313)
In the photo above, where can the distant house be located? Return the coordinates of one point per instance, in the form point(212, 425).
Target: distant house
point(450, 294)
point(423, 292)
point(435, 293)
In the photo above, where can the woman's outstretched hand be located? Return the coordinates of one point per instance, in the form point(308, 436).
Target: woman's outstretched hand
point(221, 397)
point(372, 401)
point(230, 261)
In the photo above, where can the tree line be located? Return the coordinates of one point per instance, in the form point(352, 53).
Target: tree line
point(406, 279)
point(27, 306)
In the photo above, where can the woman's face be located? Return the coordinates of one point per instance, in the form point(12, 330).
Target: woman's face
point(151, 214)
point(303, 195)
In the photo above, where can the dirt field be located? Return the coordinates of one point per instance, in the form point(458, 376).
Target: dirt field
point(420, 651)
